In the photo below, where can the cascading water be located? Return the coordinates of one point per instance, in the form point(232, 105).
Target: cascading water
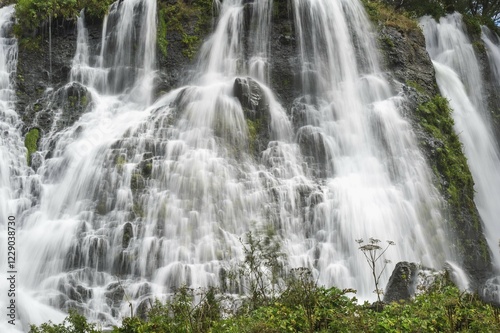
point(139, 199)
point(19, 187)
point(459, 79)
point(492, 43)
point(377, 182)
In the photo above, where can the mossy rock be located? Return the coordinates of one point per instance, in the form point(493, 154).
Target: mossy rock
point(31, 143)
point(256, 111)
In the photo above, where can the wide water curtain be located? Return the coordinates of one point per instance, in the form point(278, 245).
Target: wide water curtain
point(458, 76)
point(129, 198)
point(376, 180)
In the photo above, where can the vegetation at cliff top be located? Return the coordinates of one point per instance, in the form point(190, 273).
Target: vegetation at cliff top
point(32, 14)
point(488, 10)
point(476, 13)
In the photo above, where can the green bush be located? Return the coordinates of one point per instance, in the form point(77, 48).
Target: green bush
point(306, 307)
point(74, 323)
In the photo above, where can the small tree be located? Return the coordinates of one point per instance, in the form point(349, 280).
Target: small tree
point(373, 253)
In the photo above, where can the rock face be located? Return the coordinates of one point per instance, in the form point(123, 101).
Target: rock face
point(401, 285)
point(45, 62)
point(256, 110)
point(407, 58)
point(411, 69)
point(285, 64)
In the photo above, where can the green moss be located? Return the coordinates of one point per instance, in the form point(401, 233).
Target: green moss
point(33, 44)
point(120, 160)
point(254, 127)
point(137, 182)
point(84, 101)
point(72, 100)
point(381, 13)
point(450, 165)
point(388, 42)
point(416, 86)
point(137, 210)
point(31, 143)
point(190, 20)
point(161, 35)
point(450, 161)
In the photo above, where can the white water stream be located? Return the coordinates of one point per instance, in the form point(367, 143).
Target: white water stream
point(459, 79)
point(138, 198)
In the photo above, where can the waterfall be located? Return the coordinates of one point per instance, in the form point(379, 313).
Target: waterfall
point(19, 187)
point(137, 198)
point(491, 42)
point(458, 78)
point(377, 181)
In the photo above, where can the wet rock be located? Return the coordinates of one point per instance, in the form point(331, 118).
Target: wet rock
point(314, 149)
point(402, 283)
point(284, 70)
point(73, 100)
point(128, 234)
point(122, 264)
point(490, 291)
point(85, 293)
point(36, 160)
point(407, 57)
point(114, 294)
point(251, 97)
point(143, 307)
point(256, 110)
point(40, 71)
point(97, 252)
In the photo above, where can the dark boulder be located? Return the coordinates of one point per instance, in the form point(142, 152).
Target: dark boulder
point(403, 281)
point(252, 98)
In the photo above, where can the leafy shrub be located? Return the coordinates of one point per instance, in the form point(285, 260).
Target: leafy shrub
point(74, 323)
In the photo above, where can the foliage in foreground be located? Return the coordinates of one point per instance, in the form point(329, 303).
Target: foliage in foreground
point(306, 307)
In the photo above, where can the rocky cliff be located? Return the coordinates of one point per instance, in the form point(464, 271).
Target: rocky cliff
point(44, 68)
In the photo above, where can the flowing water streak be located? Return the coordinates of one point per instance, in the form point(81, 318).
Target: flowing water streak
point(65, 261)
point(378, 183)
point(134, 208)
point(458, 78)
point(492, 43)
point(261, 19)
point(18, 186)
